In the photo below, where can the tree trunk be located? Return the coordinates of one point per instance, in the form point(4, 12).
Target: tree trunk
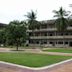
point(33, 40)
point(17, 46)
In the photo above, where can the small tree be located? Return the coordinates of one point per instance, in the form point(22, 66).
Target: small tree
point(3, 37)
point(16, 32)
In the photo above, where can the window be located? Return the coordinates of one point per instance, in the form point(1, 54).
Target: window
point(41, 42)
point(30, 34)
point(66, 34)
point(31, 41)
point(50, 34)
point(56, 42)
point(37, 42)
point(45, 42)
point(71, 25)
point(61, 34)
point(66, 42)
point(70, 33)
point(45, 34)
point(60, 42)
point(44, 26)
point(51, 42)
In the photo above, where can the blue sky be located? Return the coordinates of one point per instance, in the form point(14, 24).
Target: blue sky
point(16, 9)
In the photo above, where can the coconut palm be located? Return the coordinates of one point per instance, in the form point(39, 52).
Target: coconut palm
point(61, 22)
point(32, 22)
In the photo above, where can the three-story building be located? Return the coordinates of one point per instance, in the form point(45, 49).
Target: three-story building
point(48, 35)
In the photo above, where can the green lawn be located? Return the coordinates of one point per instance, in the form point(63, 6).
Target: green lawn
point(63, 50)
point(32, 60)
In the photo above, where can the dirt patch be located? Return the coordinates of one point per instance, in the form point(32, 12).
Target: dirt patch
point(4, 49)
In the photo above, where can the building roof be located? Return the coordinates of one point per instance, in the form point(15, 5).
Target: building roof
point(47, 21)
point(2, 25)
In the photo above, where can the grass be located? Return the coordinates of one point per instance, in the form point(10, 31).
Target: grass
point(62, 50)
point(32, 60)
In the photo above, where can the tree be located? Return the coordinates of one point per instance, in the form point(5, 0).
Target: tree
point(61, 22)
point(32, 22)
point(3, 37)
point(16, 32)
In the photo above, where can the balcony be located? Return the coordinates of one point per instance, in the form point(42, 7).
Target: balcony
point(51, 37)
point(39, 30)
point(47, 29)
point(69, 28)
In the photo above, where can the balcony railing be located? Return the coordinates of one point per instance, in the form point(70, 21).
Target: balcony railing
point(48, 29)
point(51, 37)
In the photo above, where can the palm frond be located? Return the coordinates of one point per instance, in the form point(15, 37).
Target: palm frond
point(31, 15)
point(61, 22)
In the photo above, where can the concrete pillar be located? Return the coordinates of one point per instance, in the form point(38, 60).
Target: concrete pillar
point(55, 33)
point(63, 43)
point(68, 43)
point(47, 42)
point(57, 43)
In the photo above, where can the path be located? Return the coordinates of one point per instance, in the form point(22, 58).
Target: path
point(38, 51)
point(64, 67)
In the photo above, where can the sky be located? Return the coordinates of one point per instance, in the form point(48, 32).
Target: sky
point(16, 9)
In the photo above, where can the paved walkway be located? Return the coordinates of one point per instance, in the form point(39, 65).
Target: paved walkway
point(4, 49)
point(38, 51)
point(64, 67)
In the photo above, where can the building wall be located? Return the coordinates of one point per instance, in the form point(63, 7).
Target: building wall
point(48, 35)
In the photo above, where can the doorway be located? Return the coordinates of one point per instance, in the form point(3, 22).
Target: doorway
point(70, 43)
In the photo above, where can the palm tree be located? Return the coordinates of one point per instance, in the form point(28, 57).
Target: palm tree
point(32, 22)
point(61, 22)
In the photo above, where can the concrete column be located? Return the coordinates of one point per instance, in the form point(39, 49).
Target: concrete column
point(47, 42)
point(55, 33)
point(68, 42)
point(63, 43)
point(57, 43)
